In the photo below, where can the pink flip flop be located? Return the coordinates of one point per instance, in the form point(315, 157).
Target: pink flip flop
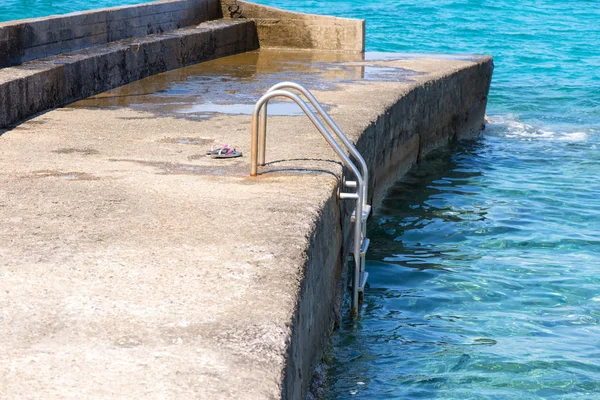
point(226, 152)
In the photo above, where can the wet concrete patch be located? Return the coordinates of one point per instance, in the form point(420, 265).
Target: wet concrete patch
point(301, 166)
point(35, 122)
point(30, 124)
point(208, 109)
point(229, 167)
point(189, 140)
point(238, 168)
point(295, 171)
point(84, 152)
point(134, 118)
point(388, 74)
point(384, 56)
point(72, 176)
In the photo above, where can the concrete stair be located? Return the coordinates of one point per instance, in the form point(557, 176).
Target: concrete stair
point(44, 83)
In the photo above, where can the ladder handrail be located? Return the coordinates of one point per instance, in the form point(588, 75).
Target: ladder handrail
point(325, 115)
point(262, 143)
point(313, 118)
point(254, 147)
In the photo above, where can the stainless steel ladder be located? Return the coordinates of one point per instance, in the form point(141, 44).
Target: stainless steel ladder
point(258, 147)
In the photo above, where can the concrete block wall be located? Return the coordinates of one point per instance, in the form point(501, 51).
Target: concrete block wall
point(26, 40)
point(285, 29)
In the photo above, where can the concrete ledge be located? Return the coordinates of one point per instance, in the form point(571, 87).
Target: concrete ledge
point(285, 29)
point(26, 40)
point(37, 85)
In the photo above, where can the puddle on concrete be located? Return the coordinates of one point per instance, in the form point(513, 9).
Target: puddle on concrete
point(208, 109)
point(232, 85)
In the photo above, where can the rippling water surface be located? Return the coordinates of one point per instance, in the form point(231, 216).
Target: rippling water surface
point(485, 262)
point(484, 278)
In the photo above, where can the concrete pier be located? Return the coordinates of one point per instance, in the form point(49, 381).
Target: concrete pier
point(134, 266)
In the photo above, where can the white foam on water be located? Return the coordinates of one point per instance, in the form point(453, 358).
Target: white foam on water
point(509, 126)
point(574, 137)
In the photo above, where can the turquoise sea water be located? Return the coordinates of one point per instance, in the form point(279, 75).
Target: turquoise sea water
point(21, 9)
point(485, 262)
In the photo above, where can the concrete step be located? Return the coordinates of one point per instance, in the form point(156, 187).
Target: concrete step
point(38, 85)
point(30, 39)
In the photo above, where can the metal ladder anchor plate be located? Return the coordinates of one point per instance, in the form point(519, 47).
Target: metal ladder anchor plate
point(258, 153)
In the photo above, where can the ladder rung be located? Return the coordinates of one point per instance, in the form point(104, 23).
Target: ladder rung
point(366, 213)
point(363, 281)
point(365, 246)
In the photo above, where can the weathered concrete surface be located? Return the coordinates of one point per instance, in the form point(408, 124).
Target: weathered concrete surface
point(41, 84)
point(133, 266)
point(30, 39)
point(285, 29)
